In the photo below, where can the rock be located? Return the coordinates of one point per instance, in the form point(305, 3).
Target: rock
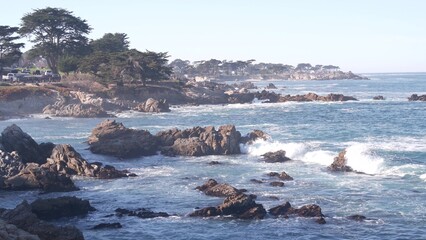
point(312, 210)
point(356, 217)
point(415, 97)
point(14, 139)
point(10, 164)
point(77, 110)
point(240, 97)
point(277, 184)
point(285, 177)
point(253, 136)
point(245, 84)
point(281, 210)
point(35, 177)
point(213, 188)
point(153, 106)
point(321, 220)
point(54, 208)
point(271, 97)
point(11, 232)
point(200, 141)
point(314, 97)
point(379, 97)
point(140, 213)
point(214, 163)
point(256, 181)
point(240, 206)
point(339, 163)
point(271, 86)
point(273, 157)
point(23, 218)
point(107, 226)
point(112, 138)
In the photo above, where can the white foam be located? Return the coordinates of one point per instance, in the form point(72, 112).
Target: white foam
point(260, 147)
point(319, 157)
point(401, 144)
point(361, 158)
point(423, 177)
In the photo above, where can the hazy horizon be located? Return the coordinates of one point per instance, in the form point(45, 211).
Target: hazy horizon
point(360, 36)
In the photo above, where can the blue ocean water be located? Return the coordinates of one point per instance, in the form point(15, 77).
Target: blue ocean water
point(385, 139)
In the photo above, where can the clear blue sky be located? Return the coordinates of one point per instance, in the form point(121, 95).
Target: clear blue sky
point(357, 35)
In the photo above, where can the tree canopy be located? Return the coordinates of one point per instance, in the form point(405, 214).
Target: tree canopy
point(56, 32)
point(111, 42)
point(10, 51)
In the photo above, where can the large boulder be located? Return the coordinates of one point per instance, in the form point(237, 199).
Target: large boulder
point(14, 139)
point(23, 218)
point(200, 141)
point(54, 208)
point(273, 157)
point(339, 163)
point(112, 138)
point(213, 188)
point(240, 206)
point(35, 177)
point(153, 106)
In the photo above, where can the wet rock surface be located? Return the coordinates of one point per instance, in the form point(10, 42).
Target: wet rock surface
point(339, 163)
point(54, 208)
point(213, 188)
point(273, 157)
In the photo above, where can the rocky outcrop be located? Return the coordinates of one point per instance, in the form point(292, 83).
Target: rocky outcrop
point(267, 96)
point(283, 176)
point(240, 206)
point(153, 106)
point(314, 97)
point(140, 213)
point(112, 138)
point(14, 139)
point(23, 218)
point(213, 188)
point(35, 177)
point(240, 97)
point(339, 163)
point(11, 232)
point(286, 209)
point(416, 97)
point(54, 208)
point(253, 136)
point(274, 157)
point(200, 141)
point(271, 86)
point(244, 84)
point(75, 110)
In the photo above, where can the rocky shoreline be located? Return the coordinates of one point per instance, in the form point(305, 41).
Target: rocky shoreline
point(48, 167)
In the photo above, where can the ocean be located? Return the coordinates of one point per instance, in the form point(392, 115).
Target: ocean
point(384, 139)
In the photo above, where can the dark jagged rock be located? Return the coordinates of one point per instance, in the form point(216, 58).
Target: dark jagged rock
point(286, 209)
point(153, 106)
point(253, 136)
point(273, 157)
point(379, 97)
point(269, 96)
point(140, 213)
point(283, 176)
point(271, 86)
point(25, 219)
point(240, 206)
point(107, 226)
point(54, 208)
point(339, 163)
point(112, 138)
point(416, 97)
point(200, 141)
point(357, 217)
point(14, 139)
point(213, 188)
point(277, 184)
point(241, 97)
point(10, 164)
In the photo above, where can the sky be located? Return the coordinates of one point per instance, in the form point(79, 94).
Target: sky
point(363, 36)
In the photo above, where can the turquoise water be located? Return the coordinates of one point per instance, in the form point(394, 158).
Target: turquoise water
point(384, 138)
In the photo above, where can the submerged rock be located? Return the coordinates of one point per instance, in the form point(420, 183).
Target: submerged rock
point(140, 213)
point(107, 226)
point(112, 138)
point(271, 86)
point(357, 217)
point(379, 97)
